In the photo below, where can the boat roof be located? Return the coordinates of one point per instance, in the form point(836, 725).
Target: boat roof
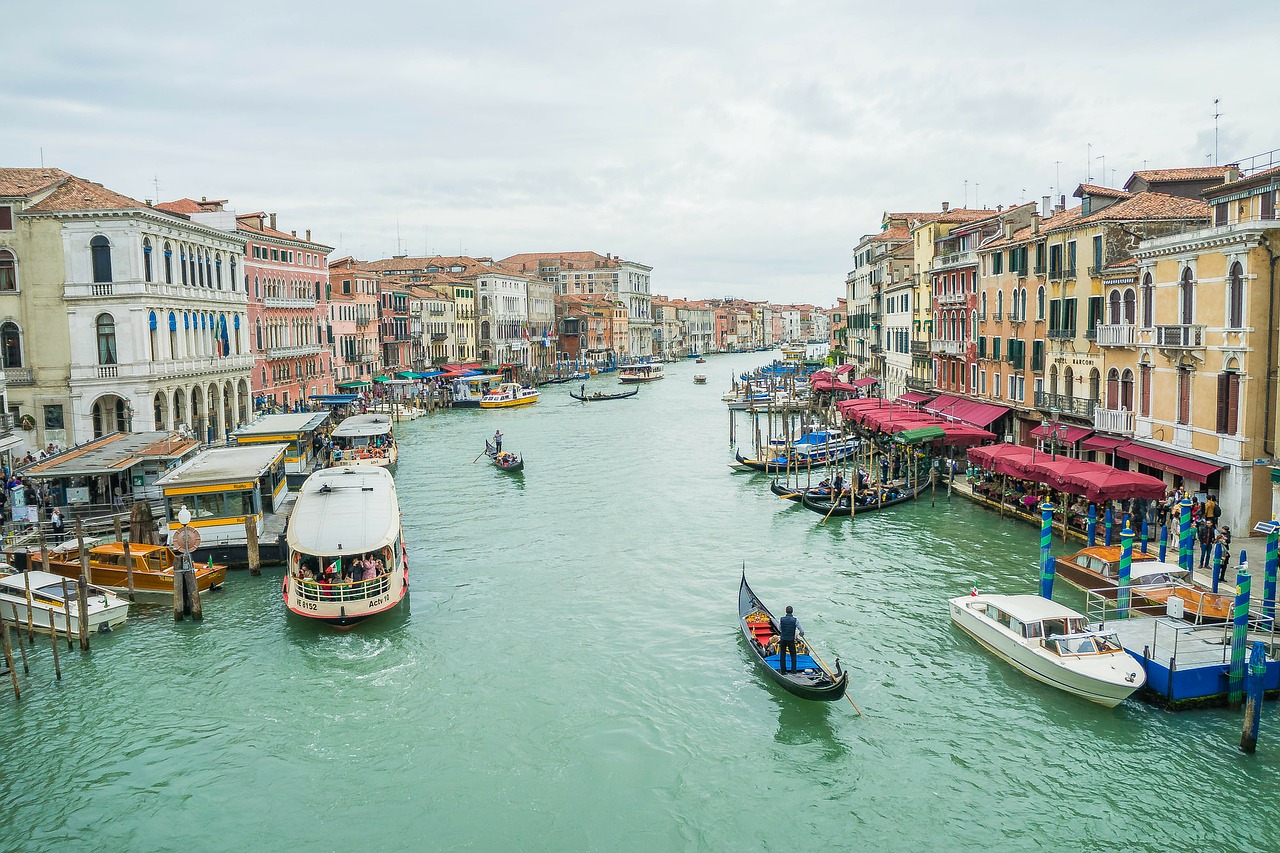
point(39, 580)
point(1031, 608)
point(225, 465)
point(346, 510)
point(282, 424)
point(1109, 553)
point(113, 454)
point(358, 426)
point(1154, 567)
point(134, 548)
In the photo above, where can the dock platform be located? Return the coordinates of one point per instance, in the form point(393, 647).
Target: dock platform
point(1187, 665)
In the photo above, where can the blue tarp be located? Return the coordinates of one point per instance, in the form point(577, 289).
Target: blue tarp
point(335, 399)
point(803, 662)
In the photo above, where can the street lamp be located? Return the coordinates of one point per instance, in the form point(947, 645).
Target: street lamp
point(1051, 429)
point(184, 516)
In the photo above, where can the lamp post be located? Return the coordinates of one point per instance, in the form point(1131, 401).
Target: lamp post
point(1050, 428)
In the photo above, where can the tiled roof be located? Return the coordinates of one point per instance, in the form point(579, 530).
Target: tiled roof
point(1254, 180)
point(1196, 173)
point(24, 182)
point(184, 206)
point(1150, 205)
point(893, 232)
point(1104, 192)
point(528, 261)
point(245, 222)
point(78, 194)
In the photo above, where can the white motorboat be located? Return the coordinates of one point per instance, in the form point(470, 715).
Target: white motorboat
point(106, 611)
point(643, 371)
point(1051, 643)
point(699, 379)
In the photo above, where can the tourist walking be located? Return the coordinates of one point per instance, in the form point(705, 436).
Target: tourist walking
point(788, 629)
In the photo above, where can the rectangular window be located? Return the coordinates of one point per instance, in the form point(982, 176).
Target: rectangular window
point(1037, 355)
point(982, 346)
point(1220, 214)
point(53, 417)
point(982, 382)
point(1228, 403)
point(1144, 373)
point(1039, 258)
point(1097, 252)
point(6, 220)
point(1071, 258)
point(1013, 387)
point(1055, 261)
point(1266, 210)
point(1069, 315)
point(1095, 315)
point(995, 349)
point(997, 263)
point(275, 254)
point(973, 377)
point(995, 385)
point(1055, 315)
point(1184, 396)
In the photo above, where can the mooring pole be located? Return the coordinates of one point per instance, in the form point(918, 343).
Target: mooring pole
point(1047, 568)
point(1091, 526)
point(1239, 631)
point(1253, 702)
point(1126, 567)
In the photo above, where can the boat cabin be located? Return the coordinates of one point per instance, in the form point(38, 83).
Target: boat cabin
point(222, 487)
point(296, 432)
point(468, 391)
point(362, 438)
point(130, 462)
point(1102, 560)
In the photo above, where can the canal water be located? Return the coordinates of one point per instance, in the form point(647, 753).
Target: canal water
point(569, 676)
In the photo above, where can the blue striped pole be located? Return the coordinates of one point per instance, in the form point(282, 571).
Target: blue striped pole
point(1046, 562)
point(1164, 541)
point(1253, 692)
point(1091, 526)
point(1269, 578)
point(1107, 541)
point(1239, 630)
point(1186, 545)
point(1126, 566)
point(1145, 535)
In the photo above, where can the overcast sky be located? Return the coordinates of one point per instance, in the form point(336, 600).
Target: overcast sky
point(740, 148)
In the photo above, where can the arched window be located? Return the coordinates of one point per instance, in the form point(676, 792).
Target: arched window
point(1229, 398)
point(11, 345)
point(1022, 304)
point(182, 262)
point(1095, 384)
point(158, 407)
point(100, 249)
point(1113, 308)
point(1148, 302)
point(1186, 298)
point(1040, 302)
point(8, 271)
point(146, 259)
point(1235, 297)
point(168, 264)
point(233, 277)
point(153, 336)
point(1130, 303)
point(106, 326)
point(999, 302)
point(217, 270)
point(1126, 390)
point(1053, 380)
point(1113, 388)
point(1068, 383)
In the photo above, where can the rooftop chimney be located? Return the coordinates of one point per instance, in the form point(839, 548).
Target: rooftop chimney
point(204, 198)
point(946, 205)
point(1035, 220)
point(293, 233)
point(273, 222)
point(1044, 206)
point(308, 235)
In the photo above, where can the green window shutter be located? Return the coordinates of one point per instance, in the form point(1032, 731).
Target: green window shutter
point(982, 346)
point(995, 348)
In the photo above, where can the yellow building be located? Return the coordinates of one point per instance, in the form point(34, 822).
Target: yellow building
point(1201, 348)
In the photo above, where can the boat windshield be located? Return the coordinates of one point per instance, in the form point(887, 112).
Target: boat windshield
point(1083, 644)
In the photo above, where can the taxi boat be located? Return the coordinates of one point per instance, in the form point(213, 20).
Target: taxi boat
point(508, 395)
point(1051, 643)
point(346, 556)
point(50, 608)
point(152, 566)
point(1152, 584)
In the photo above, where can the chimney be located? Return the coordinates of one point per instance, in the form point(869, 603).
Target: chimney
point(1044, 206)
point(1062, 202)
point(1035, 223)
point(1008, 230)
point(273, 222)
point(308, 235)
point(946, 205)
point(293, 233)
point(204, 198)
point(999, 208)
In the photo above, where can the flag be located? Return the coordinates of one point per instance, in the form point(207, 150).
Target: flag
point(526, 331)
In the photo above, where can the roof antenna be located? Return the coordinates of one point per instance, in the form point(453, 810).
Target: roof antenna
point(41, 156)
point(1216, 114)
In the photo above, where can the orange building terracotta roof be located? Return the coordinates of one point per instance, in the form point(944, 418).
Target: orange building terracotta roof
point(1150, 205)
point(78, 194)
point(1196, 173)
point(1104, 192)
point(24, 182)
point(528, 261)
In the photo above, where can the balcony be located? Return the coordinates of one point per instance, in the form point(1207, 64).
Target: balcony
point(997, 316)
point(1039, 269)
point(955, 348)
point(951, 298)
point(1061, 334)
point(288, 302)
point(1180, 337)
point(1080, 407)
point(18, 376)
point(919, 347)
point(293, 352)
point(955, 258)
point(1017, 362)
point(917, 384)
point(876, 349)
point(437, 337)
point(1117, 335)
point(1070, 273)
point(1114, 421)
point(875, 316)
point(1094, 272)
point(1055, 273)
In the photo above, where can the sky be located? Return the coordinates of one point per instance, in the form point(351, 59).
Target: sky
point(739, 148)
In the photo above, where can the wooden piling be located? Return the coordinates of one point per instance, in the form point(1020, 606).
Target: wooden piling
point(251, 544)
point(44, 553)
point(21, 648)
point(8, 655)
point(128, 567)
point(82, 588)
point(193, 594)
point(66, 612)
point(31, 610)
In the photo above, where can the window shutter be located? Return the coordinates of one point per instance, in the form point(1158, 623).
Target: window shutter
point(1184, 396)
point(1145, 373)
point(1233, 402)
point(1222, 403)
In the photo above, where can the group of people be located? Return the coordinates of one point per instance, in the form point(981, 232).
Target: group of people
point(366, 567)
point(1210, 535)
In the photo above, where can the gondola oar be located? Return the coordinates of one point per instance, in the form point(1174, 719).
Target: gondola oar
point(814, 653)
point(835, 502)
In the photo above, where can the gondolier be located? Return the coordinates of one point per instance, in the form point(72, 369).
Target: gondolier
point(788, 628)
point(497, 441)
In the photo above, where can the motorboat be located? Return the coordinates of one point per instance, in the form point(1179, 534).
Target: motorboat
point(644, 371)
point(53, 602)
point(1051, 643)
point(153, 566)
point(1152, 584)
point(509, 395)
point(699, 379)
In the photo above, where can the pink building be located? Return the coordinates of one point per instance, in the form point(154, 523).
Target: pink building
point(354, 300)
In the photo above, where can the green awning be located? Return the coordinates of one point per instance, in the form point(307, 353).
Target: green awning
point(407, 374)
point(920, 435)
point(360, 384)
point(382, 379)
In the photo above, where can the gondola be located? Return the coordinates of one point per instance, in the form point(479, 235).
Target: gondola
point(760, 629)
point(823, 507)
point(778, 464)
point(509, 462)
point(599, 395)
point(795, 493)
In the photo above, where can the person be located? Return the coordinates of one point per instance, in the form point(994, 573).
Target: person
point(1206, 538)
point(1212, 510)
point(56, 519)
point(788, 629)
point(837, 485)
point(497, 441)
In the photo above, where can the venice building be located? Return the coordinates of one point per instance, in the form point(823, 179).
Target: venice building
point(117, 316)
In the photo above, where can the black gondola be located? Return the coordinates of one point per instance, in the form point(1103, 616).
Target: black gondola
point(778, 464)
point(504, 461)
point(760, 630)
point(599, 395)
point(823, 506)
point(795, 493)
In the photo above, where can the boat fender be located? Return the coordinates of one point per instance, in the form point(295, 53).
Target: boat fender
point(284, 587)
point(104, 628)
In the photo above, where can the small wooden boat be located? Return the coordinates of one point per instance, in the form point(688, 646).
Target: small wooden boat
point(1151, 583)
point(812, 680)
point(600, 395)
point(634, 374)
point(822, 504)
point(153, 566)
point(50, 608)
point(700, 361)
point(778, 464)
point(699, 379)
point(504, 461)
point(797, 493)
point(1050, 643)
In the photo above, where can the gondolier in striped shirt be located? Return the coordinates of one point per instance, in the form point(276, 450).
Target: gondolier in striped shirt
point(788, 628)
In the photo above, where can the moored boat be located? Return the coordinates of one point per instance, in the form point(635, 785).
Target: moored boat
point(892, 496)
point(700, 361)
point(508, 395)
point(364, 440)
point(50, 608)
point(1051, 643)
point(812, 680)
point(346, 559)
point(153, 566)
point(778, 464)
point(644, 371)
point(1152, 584)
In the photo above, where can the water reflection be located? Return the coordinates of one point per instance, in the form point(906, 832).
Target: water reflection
point(306, 633)
point(802, 722)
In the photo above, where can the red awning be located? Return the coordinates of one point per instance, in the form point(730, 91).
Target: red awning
point(914, 398)
point(864, 382)
point(844, 368)
point(963, 435)
point(1071, 435)
point(1174, 463)
point(980, 415)
point(942, 404)
point(1102, 442)
point(1104, 483)
point(999, 457)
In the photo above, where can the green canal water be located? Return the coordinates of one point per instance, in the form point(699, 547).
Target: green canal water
point(569, 676)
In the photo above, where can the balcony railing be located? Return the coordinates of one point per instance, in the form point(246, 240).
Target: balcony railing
point(1081, 407)
point(875, 316)
point(997, 316)
point(1039, 269)
point(288, 302)
point(18, 376)
point(1055, 274)
point(1118, 335)
point(955, 258)
point(919, 347)
point(293, 352)
point(919, 384)
point(1061, 334)
point(101, 289)
point(1116, 421)
point(950, 298)
point(1094, 272)
point(876, 349)
point(1070, 273)
point(439, 336)
point(1180, 337)
point(947, 348)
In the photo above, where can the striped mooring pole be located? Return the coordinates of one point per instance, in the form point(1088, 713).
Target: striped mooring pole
point(1046, 562)
point(1091, 527)
point(1186, 555)
point(1269, 576)
point(1164, 541)
point(1126, 566)
point(1253, 697)
point(1107, 540)
point(1239, 629)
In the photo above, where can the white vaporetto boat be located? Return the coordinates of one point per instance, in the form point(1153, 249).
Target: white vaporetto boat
point(365, 440)
point(1051, 643)
point(644, 371)
point(48, 607)
point(347, 559)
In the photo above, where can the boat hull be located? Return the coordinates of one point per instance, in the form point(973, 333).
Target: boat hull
point(1037, 664)
point(822, 505)
point(821, 686)
point(102, 617)
point(508, 404)
point(344, 605)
